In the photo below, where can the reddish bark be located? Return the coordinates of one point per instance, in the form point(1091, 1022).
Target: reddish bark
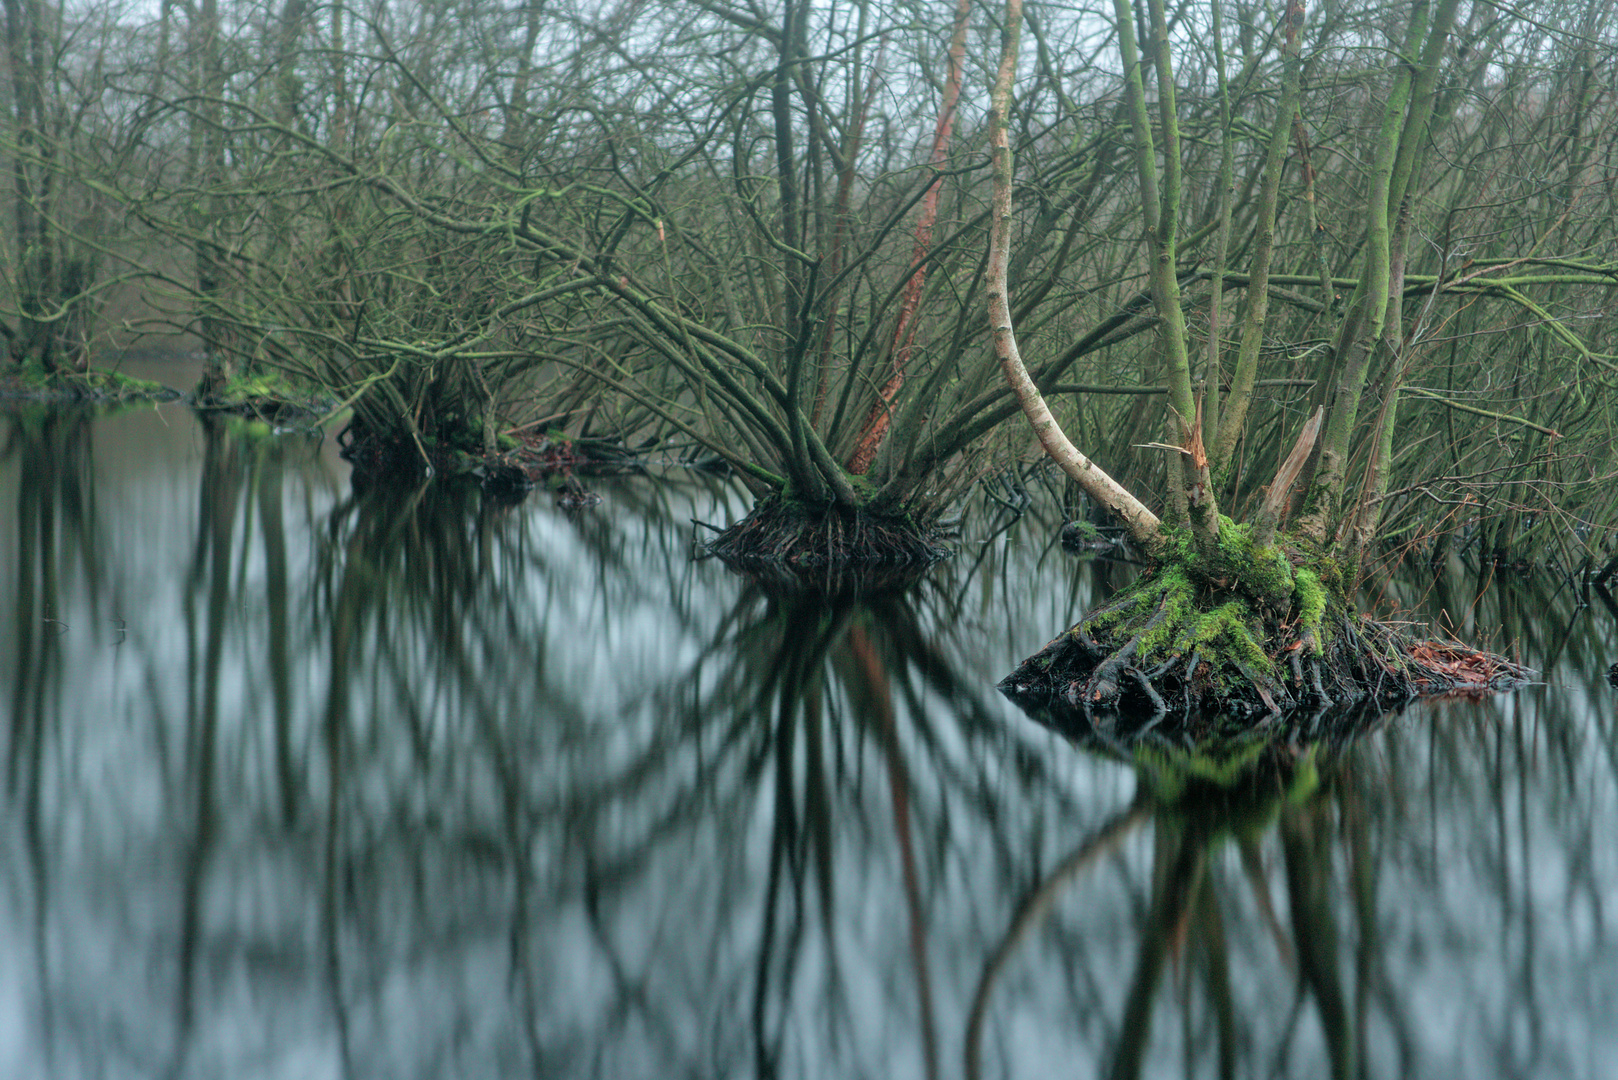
point(904, 331)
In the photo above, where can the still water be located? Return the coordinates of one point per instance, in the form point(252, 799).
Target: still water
point(302, 782)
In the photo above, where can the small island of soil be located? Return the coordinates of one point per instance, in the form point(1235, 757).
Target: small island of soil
point(1252, 630)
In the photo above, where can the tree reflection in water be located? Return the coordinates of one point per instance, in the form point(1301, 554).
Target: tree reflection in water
point(55, 536)
point(1199, 801)
point(411, 783)
point(815, 686)
point(54, 543)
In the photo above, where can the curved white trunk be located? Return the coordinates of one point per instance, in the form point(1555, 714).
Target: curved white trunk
point(1140, 521)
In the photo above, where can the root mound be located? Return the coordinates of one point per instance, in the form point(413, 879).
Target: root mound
point(1247, 631)
point(781, 532)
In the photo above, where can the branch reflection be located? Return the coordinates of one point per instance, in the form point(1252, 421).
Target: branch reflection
point(412, 783)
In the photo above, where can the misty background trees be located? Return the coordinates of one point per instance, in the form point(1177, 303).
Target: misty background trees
point(762, 229)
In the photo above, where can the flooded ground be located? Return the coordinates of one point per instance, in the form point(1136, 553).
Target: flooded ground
point(303, 782)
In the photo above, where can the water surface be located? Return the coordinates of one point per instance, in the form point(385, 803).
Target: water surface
point(308, 782)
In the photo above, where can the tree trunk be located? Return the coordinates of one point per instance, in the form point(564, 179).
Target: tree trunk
point(1141, 522)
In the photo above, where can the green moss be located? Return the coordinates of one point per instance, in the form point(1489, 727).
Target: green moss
point(1164, 611)
point(1229, 626)
point(266, 383)
point(1208, 606)
point(1331, 575)
point(1224, 636)
point(1174, 546)
point(1178, 601)
point(30, 379)
point(1270, 574)
point(1311, 598)
point(115, 384)
point(1138, 601)
point(1086, 533)
point(1261, 571)
point(862, 485)
point(1236, 608)
point(1326, 569)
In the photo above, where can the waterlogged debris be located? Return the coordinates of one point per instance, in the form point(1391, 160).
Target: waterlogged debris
point(827, 584)
point(284, 403)
point(1443, 667)
point(504, 483)
point(540, 454)
point(526, 460)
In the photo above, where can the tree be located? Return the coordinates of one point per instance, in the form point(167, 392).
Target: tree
point(761, 233)
point(722, 255)
point(53, 240)
point(1230, 615)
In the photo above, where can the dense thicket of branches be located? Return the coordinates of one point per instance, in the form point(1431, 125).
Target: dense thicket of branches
point(763, 227)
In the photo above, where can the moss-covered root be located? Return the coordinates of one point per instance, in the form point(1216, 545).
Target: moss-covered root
point(1357, 660)
point(1161, 647)
point(1247, 633)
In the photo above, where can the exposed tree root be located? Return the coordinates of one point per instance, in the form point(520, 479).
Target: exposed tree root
point(781, 533)
point(1250, 632)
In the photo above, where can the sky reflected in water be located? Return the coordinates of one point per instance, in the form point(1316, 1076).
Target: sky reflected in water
point(303, 781)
